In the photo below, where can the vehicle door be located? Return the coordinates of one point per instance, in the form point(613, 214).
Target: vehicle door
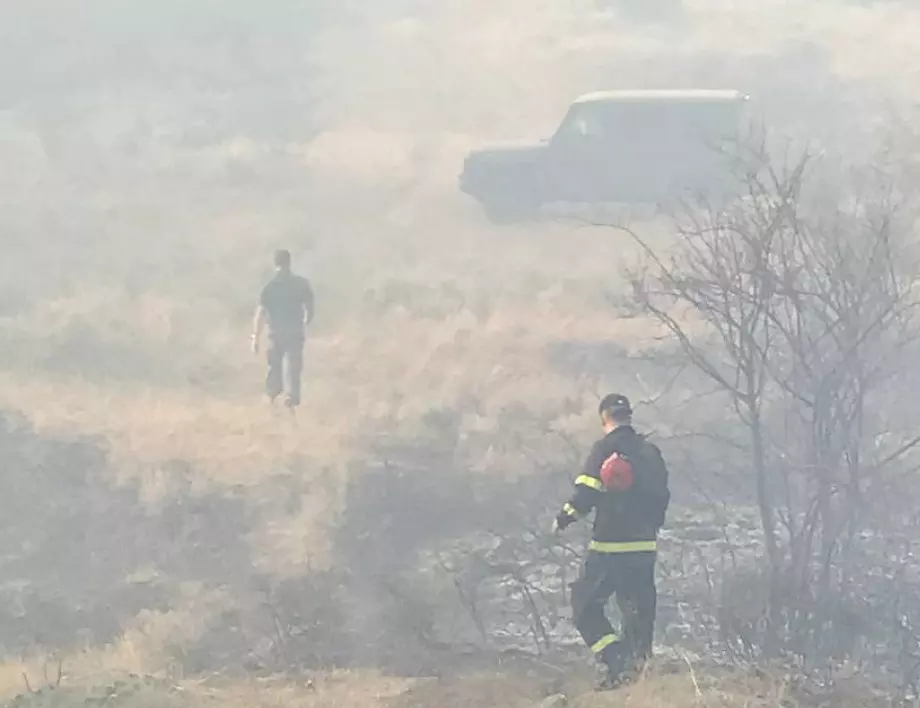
point(577, 160)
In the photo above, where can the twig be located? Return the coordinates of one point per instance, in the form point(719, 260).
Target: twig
point(696, 684)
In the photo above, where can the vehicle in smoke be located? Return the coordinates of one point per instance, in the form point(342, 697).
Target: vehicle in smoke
point(632, 147)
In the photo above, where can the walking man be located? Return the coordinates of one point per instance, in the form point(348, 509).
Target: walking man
point(286, 304)
point(625, 481)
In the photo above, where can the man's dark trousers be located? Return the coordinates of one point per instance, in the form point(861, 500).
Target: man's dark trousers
point(284, 348)
point(631, 577)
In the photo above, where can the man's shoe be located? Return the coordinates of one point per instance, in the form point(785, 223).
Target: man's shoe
point(609, 682)
point(612, 680)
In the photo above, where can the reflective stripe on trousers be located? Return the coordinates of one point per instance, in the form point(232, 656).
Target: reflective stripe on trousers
point(623, 547)
point(603, 643)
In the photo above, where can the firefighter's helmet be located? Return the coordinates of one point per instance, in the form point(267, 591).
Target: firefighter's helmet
point(617, 473)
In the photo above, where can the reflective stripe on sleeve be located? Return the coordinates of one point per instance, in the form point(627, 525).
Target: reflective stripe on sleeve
point(592, 482)
point(570, 510)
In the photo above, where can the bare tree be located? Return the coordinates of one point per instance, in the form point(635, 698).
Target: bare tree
point(800, 303)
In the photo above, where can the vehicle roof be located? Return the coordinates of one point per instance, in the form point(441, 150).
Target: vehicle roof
point(666, 95)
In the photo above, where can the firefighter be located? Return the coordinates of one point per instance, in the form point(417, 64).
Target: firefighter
point(287, 304)
point(625, 481)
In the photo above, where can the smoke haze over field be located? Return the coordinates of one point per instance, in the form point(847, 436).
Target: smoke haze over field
point(329, 104)
point(152, 156)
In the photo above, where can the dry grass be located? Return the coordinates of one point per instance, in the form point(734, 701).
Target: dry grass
point(363, 373)
point(350, 689)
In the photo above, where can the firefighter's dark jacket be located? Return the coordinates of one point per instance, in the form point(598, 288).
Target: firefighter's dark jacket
point(629, 520)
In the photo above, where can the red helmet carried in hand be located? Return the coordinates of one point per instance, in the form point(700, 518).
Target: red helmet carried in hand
point(617, 473)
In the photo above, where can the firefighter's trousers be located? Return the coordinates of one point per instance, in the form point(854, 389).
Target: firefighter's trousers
point(630, 576)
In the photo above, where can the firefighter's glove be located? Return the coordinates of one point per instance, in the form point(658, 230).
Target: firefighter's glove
point(562, 521)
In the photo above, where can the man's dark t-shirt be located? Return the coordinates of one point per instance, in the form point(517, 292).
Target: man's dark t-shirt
point(286, 300)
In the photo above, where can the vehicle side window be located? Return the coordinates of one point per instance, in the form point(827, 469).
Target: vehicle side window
point(582, 122)
point(646, 126)
point(589, 126)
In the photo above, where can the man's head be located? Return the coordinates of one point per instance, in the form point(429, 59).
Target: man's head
point(614, 411)
point(283, 260)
